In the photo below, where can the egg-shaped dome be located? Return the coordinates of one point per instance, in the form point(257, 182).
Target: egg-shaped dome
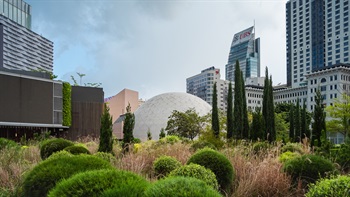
point(153, 114)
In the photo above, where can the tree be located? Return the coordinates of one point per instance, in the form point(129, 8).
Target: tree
point(149, 135)
point(319, 120)
point(162, 133)
point(245, 123)
point(268, 109)
point(297, 125)
point(238, 103)
point(257, 131)
point(215, 116)
point(186, 124)
point(229, 112)
point(128, 127)
point(281, 127)
point(106, 140)
point(304, 122)
point(291, 124)
point(340, 114)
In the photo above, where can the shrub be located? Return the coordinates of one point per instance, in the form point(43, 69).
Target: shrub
point(6, 143)
point(199, 144)
point(59, 154)
point(217, 163)
point(169, 139)
point(163, 165)
point(308, 167)
point(339, 186)
point(46, 174)
point(343, 155)
point(50, 146)
point(198, 172)
point(76, 150)
point(287, 156)
point(260, 147)
point(106, 156)
point(96, 182)
point(180, 187)
point(292, 147)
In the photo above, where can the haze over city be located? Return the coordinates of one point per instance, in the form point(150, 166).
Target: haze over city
point(153, 46)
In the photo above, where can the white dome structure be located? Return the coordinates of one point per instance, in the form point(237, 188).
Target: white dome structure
point(153, 114)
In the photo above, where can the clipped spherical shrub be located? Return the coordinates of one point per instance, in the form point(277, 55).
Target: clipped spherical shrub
point(6, 143)
point(169, 139)
point(76, 150)
point(46, 174)
point(163, 165)
point(287, 156)
point(106, 156)
point(96, 182)
point(292, 147)
point(338, 186)
point(59, 154)
point(50, 146)
point(259, 147)
point(218, 164)
point(200, 144)
point(308, 167)
point(198, 172)
point(180, 187)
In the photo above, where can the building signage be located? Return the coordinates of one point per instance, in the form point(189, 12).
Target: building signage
point(242, 36)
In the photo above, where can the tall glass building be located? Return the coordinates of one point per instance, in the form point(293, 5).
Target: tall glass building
point(246, 49)
point(317, 35)
point(16, 10)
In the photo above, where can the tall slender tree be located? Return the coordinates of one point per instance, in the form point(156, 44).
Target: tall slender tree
point(319, 119)
point(215, 124)
point(106, 141)
point(238, 104)
point(291, 124)
point(297, 123)
point(265, 101)
point(269, 109)
point(304, 126)
point(128, 127)
point(257, 131)
point(229, 115)
point(245, 122)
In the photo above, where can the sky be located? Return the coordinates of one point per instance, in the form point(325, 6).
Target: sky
point(152, 46)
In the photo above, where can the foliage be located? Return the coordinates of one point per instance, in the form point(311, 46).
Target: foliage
point(169, 139)
point(308, 167)
point(46, 174)
point(291, 124)
point(7, 143)
point(106, 156)
point(218, 164)
point(257, 131)
point(229, 113)
point(245, 121)
point(286, 156)
point(238, 103)
point(319, 120)
point(106, 140)
point(76, 150)
point(336, 186)
point(297, 122)
point(305, 122)
point(96, 182)
point(186, 124)
point(215, 125)
point(198, 172)
point(136, 140)
point(292, 147)
point(67, 104)
point(162, 133)
point(342, 155)
point(340, 114)
point(208, 136)
point(128, 127)
point(200, 144)
point(281, 127)
point(180, 187)
point(50, 146)
point(149, 135)
point(268, 111)
point(259, 147)
point(163, 165)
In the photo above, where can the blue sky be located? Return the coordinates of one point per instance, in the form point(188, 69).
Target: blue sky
point(153, 46)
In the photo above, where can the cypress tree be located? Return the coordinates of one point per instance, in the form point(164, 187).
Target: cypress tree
point(297, 126)
point(304, 125)
point(128, 127)
point(319, 119)
point(238, 105)
point(271, 114)
point(245, 123)
point(229, 115)
point(106, 141)
point(265, 101)
point(215, 115)
point(257, 131)
point(291, 123)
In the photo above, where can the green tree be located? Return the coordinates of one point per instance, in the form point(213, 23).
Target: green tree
point(238, 103)
point(215, 125)
point(106, 140)
point(186, 124)
point(256, 129)
point(291, 124)
point(128, 127)
point(269, 109)
point(149, 135)
point(297, 125)
point(162, 133)
point(245, 122)
point(319, 120)
point(229, 112)
point(305, 122)
point(340, 114)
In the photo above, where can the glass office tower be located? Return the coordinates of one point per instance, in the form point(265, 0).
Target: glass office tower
point(17, 10)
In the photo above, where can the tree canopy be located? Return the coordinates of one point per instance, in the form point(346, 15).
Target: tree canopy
point(340, 114)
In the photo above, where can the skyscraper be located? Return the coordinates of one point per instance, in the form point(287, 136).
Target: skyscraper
point(317, 35)
point(246, 49)
point(18, 11)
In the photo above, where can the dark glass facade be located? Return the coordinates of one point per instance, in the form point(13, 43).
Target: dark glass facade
point(16, 10)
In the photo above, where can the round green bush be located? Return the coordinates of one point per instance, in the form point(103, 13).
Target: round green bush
point(76, 150)
point(46, 174)
point(180, 187)
point(61, 153)
point(50, 146)
point(163, 165)
point(198, 172)
point(308, 167)
point(199, 144)
point(287, 156)
point(105, 182)
point(292, 147)
point(259, 147)
point(169, 139)
point(338, 186)
point(6, 143)
point(106, 156)
point(218, 164)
